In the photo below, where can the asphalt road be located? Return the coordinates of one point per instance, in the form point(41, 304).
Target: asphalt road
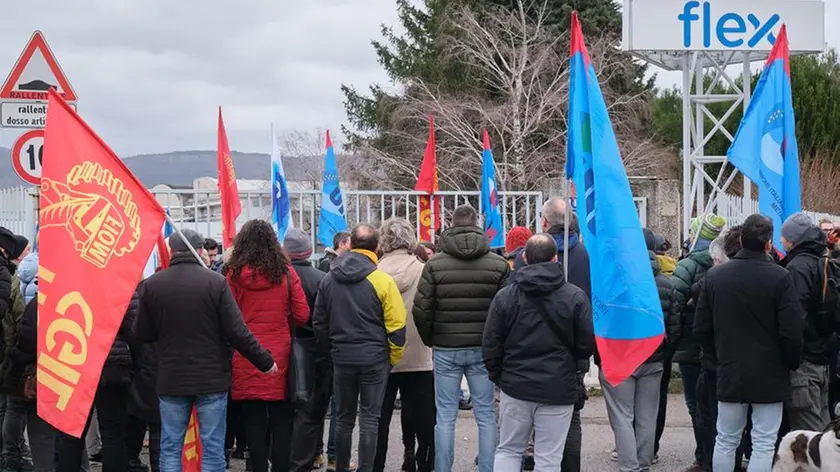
point(675, 454)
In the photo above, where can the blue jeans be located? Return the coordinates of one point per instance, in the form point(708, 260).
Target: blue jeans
point(212, 421)
point(333, 423)
point(450, 366)
point(690, 375)
point(731, 420)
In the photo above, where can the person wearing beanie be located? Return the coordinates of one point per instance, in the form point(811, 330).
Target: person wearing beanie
point(515, 242)
point(689, 271)
point(308, 429)
point(806, 245)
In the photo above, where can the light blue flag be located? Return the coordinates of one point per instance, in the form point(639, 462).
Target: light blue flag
point(167, 227)
point(331, 220)
point(626, 310)
point(490, 198)
point(281, 205)
point(765, 148)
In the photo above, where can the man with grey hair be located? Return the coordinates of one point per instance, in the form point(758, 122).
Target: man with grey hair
point(412, 376)
point(806, 246)
point(553, 220)
point(191, 314)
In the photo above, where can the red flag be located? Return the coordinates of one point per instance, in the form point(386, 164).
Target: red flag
point(163, 252)
point(427, 181)
point(98, 225)
point(191, 456)
point(228, 190)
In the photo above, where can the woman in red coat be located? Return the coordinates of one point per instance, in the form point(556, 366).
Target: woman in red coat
point(260, 276)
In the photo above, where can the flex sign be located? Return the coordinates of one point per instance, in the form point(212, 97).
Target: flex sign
point(722, 24)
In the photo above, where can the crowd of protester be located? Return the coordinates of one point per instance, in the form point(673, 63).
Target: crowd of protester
point(270, 347)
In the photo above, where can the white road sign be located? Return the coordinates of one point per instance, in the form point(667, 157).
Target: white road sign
point(27, 154)
point(24, 114)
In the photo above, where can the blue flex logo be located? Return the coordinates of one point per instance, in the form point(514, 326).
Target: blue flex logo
point(730, 29)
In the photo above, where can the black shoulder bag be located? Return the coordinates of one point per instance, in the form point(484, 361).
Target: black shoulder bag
point(567, 343)
point(300, 377)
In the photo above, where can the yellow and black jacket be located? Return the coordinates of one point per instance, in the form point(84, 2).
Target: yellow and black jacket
point(359, 312)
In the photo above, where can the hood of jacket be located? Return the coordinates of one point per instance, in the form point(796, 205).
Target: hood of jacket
point(539, 279)
point(559, 234)
point(354, 266)
point(252, 279)
point(667, 264)
point(814, 242)
point(28, 268)
point(654, 263)
point(403, 267)
point(464, 242)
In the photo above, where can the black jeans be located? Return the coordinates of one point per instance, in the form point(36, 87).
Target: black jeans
point(268, 426)
point(690, 373)
point(235, 430)
point(308, 431)
point(362, 388)
point(574, 444)
point(663, 398)
point(14, 422)
point(112, 410)
point(134, 437)
point(417, 392)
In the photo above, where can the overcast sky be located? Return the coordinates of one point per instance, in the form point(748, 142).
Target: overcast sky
point(149, 74)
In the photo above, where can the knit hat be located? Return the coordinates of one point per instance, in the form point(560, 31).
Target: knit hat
point(711, 227)
point(796, 227)
point(178, 245)
point(298, 244)
point(650, 239)
point(13, 244)
point(516, 238)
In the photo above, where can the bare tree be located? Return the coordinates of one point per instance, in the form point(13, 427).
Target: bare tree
point(521, 65)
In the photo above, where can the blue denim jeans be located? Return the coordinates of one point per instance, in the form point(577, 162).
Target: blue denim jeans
point(212, 421)
point(731, 420)
point(450, 366)
point(333, 423)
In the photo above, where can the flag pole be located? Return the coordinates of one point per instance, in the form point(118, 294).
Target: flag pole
point(184, 239)
point(566, 219)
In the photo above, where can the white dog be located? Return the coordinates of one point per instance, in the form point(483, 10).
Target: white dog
point(809, 451)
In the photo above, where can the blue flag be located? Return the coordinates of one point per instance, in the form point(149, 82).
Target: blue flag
point(490, 198)
point(765, 148)
point(626, 310)
point(281, 205)
point(332, 218)
point(167, 227)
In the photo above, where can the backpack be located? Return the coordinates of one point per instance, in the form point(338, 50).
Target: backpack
point(828, 308)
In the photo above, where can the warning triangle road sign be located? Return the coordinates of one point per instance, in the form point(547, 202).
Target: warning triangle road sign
point(35, 72)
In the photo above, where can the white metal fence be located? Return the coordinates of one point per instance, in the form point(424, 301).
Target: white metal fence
point(17, 210)
point(736, 210)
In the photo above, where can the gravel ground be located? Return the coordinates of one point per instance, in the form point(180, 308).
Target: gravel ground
point(675, 454)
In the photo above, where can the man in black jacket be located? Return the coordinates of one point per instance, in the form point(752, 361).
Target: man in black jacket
point(748, 311)
point(308, 431)
point(806, 246)
point(191, 313)
point(454, 294)
point(537, 329)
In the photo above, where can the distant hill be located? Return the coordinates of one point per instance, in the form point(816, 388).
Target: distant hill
point(182, 167)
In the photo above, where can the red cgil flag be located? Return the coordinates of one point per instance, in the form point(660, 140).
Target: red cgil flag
point(427, 182)
point(228, 190)
point(97, 226)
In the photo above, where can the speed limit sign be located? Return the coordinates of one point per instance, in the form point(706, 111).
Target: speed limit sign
point(27, 156)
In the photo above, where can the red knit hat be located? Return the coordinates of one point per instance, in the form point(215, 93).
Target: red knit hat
point(517, 237)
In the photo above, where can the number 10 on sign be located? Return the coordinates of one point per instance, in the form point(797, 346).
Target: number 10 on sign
point(27, 156)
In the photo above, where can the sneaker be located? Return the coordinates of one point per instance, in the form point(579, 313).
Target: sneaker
point(464, 405)
point(318, 462)
point(331, 465)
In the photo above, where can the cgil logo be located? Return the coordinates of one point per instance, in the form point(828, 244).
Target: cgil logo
point(730, 29)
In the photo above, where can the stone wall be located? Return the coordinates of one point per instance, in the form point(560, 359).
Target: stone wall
point(664, 206)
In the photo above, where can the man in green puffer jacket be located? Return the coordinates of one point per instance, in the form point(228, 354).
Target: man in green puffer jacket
point(689, 271)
